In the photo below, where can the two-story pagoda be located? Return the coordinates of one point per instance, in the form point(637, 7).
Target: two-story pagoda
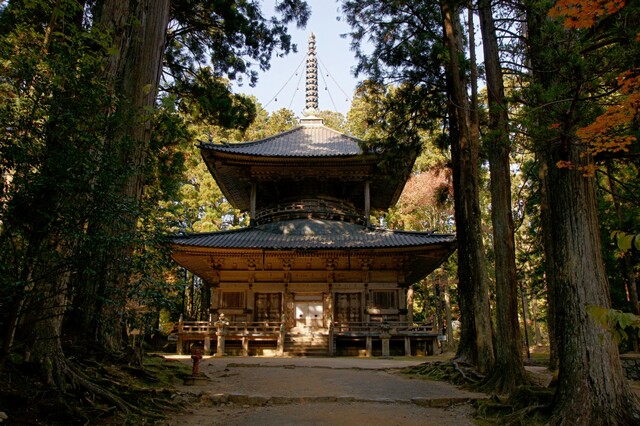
point(310, 274)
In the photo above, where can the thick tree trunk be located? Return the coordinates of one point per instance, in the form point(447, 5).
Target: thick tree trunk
point(591, 385)
point(46, 348)
point(476, 344)
point(139, 29)
point(508, 370)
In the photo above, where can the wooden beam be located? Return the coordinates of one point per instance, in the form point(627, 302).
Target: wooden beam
point(252, 202)
point(367, 202)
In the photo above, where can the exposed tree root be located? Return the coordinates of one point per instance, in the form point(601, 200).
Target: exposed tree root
point(449, 371)
point(86, 390)
point(527, 405)
point(504, 381)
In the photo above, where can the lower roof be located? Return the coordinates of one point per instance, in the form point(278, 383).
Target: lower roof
point(310, 234)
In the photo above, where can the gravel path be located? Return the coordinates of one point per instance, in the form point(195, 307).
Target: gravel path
point(321, 391)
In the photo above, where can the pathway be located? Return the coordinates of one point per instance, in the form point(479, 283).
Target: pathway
point(321, 391)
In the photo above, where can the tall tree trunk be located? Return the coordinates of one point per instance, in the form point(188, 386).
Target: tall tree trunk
point(591, 387)
point(447, 311)
point(549, 264)
point(476, 343)
point(138, 28)
point(508, 370)
point(536, 323)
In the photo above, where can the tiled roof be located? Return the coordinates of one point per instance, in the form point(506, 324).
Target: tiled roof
point(310, 234)
point(303, 141)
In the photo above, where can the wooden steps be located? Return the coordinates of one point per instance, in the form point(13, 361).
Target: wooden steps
point(307, 344)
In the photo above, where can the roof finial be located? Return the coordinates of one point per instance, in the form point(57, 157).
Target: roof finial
point(311, 93)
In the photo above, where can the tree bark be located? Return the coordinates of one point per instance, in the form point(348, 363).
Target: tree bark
point(549, 265)
point(508, 371)
point(476, 343)
point(138, 28)
point(447, 310)
point(591, 387)
point(536, 323)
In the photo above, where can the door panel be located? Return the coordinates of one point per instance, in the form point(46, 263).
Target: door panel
point(309, 314)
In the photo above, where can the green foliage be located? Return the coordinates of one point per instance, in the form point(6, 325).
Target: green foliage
point(626, 241)
point(616, 322)
point(63, 216)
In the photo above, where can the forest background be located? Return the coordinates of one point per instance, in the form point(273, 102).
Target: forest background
point(104, 100)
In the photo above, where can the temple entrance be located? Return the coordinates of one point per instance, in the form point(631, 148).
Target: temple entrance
point(309, 315)
point(309, 312)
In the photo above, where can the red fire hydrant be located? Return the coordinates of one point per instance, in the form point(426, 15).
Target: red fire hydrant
point(196, 357)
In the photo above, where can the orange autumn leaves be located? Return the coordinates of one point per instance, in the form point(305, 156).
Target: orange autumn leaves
point(584, 13)
point(611, 131)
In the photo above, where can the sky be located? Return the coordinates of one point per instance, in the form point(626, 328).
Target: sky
point(282, 87)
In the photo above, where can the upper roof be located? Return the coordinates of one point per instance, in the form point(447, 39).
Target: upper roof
point(326, 162)
point(312, 139)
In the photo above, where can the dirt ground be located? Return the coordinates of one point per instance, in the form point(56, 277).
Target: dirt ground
point(321, 391)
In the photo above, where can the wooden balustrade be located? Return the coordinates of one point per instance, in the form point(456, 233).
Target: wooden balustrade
point(344, 328)
point(399, 328)
point(233, 329)
point(263, 332)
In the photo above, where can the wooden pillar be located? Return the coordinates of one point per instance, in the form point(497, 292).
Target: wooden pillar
point(410, 305)
point(385, 346)
point(369, 350)
point(207, 344)
point(245, 346)
point(180, 345)
point(280, 343)
point(433, 346)
point(252, 206)
point(385, 335)
point(331, 340)
point(407, 346)
point(367, 202)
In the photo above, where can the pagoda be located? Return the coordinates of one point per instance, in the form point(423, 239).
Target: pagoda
point(310, 274)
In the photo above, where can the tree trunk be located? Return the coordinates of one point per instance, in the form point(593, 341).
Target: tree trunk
point(139, 29)
point(476, 343)
point(549, 265)
point(508, 371)
point(591, 386)
point(447, 310)
point(536, 323)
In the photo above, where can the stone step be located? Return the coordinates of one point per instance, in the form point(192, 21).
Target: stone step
point(315, 344)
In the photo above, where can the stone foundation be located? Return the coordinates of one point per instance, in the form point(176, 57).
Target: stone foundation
point(631, 366)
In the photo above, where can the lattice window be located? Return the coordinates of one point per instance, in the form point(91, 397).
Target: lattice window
point(383, 299)
point(348, 307)
point(232, 300)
